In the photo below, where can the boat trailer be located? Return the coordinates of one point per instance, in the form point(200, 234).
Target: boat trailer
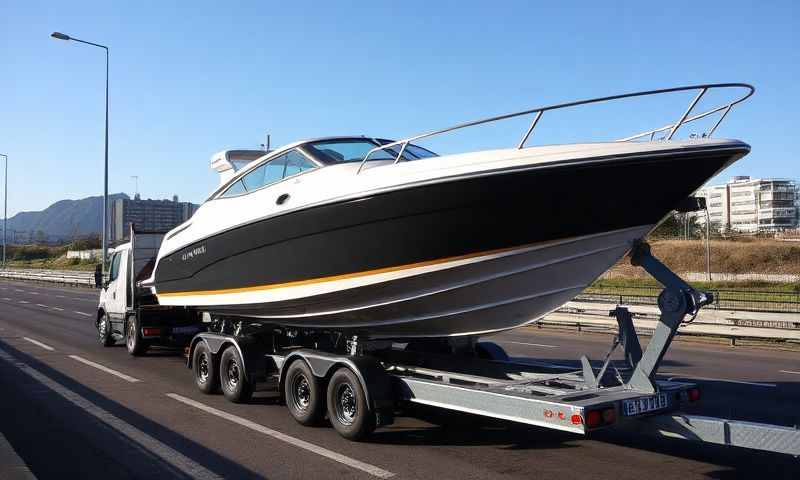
point(477, 377)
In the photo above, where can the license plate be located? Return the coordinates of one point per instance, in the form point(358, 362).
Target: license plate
point(181, 330)
point(642, 405)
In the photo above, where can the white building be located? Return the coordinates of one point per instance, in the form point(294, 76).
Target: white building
point(753, 205)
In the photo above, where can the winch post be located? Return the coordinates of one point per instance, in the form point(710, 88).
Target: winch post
point(677, 300)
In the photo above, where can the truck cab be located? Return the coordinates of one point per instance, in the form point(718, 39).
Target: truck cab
point(128, 311)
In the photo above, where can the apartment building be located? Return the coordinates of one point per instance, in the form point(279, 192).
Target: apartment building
point(749, 205)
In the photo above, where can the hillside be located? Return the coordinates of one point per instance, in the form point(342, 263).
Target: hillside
point(740, 256)
point(65, 218)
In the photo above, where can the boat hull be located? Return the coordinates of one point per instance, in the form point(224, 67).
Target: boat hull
point(456, 256)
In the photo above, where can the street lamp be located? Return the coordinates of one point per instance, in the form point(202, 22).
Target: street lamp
point(5, 207)
point(61, 36)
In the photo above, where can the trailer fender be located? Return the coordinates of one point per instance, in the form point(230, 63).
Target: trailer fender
point(378, 387)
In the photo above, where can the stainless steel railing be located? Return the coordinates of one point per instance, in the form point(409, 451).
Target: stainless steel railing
point(685, 118)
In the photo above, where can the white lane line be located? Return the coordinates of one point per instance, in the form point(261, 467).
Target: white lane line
point(789, 371)
point(40, 344)
point(57, 308)
point(693, 377)
point(82, 313)
point(121, 375)
point(530, 344)
point(34, 293)
point(18, 290)
point(6, 299)
point(140, 439)
point(42, 305)
point(337, 457)
point(22, 301)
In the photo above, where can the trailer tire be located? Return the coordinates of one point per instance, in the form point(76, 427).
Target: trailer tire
point(204, 367)
point(104, 334)
point(136, 345)
point(304, 395)
point(232, 377)
point(348, 410)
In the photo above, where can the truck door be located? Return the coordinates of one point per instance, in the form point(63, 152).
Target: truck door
point(117, 288)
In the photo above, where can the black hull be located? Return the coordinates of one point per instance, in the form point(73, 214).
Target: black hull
point(441, 220)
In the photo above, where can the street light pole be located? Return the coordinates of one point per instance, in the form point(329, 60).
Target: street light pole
point(5, 207)
point(61, 36)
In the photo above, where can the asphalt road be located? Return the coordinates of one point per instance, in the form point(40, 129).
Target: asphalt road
point(73, 409)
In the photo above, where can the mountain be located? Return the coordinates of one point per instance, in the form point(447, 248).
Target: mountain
point(64, 219)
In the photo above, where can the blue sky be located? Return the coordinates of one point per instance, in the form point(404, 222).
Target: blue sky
point(192, 78)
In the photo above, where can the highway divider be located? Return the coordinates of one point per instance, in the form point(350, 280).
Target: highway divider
point(729, 324)
point(64, 277)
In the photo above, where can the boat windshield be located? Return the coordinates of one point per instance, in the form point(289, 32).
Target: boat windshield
point(354, 150)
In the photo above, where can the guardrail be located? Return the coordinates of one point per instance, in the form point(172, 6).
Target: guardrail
point(66, 277)
point(730, 325)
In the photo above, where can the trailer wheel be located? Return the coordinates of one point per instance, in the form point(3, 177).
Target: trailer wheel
point(134, 342)
point(347, 406)
point(233, 379)
point(304, 394)
point(206, 374)
point(104, 331)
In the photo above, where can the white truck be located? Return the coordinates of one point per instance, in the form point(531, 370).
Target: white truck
point(357, 384)
point(128, 312)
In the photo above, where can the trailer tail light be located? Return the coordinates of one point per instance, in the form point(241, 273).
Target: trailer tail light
point(151, 332)
point(576, 419)
point(693, 394)
point(601, 418)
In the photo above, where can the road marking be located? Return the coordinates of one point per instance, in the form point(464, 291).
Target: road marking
point(38, 343)
point(57, 308)
point(18, 290)
point(141, 440)
point(6, 299)
point(42, 305)
point(82, 313)
point(121, 375)
point(790, 371)
point(693, 377)
point(531, 344)
point(34, 293)
point(337, 457)
point(22, 301)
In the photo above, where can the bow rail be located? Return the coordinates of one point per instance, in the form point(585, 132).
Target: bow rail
point(671, 128)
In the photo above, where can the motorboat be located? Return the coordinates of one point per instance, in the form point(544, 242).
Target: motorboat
point(386, 239)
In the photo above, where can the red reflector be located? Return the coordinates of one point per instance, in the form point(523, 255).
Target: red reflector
point(609, 416)
point(694, 394)
point(594, 419)
point(576, 419)
point(149, 332)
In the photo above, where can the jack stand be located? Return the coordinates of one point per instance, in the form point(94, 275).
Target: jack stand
point(677, 300)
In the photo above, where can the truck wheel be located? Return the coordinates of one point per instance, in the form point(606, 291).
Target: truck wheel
point(206, 374)
point(233, 378)
point(133, 338)
point(304, 394)
point(104, 331)
point(347, 406)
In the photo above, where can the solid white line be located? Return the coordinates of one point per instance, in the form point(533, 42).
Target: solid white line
point(141, 440)
point(350, 462)
point(531, 344)
point(41, 305)
point(37, 342)
point(105, 369)
point(790, 371)
point(82, 313)
point(57, 308)
point(693, 377)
